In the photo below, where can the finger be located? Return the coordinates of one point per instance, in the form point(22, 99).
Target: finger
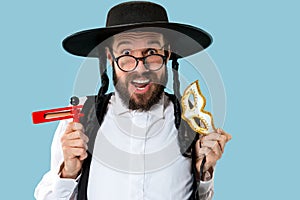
point(222, 141)
point(199, 145)
point(222, 132)
point(209, 164)
point(76, 135)
point(217, 151)
point(75, 143)
point(73, 152)
point(83, 156)
point(209, 143)
point(215, 139)
point(216, 135)
point(211, 147)
point(69, 128)
point(211, 136)
point(220, 138)
point(203, 151)
point(74, 126)
point(210, 161)
point(78, 126)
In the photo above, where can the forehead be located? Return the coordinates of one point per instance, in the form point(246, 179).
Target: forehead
point(138, 39)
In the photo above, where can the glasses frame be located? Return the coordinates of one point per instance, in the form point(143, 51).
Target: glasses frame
point(164, 57)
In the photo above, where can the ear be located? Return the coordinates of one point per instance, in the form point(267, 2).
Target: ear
point(109, 56)
point(169, 52)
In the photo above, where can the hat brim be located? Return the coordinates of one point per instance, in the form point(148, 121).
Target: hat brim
point(184, 39)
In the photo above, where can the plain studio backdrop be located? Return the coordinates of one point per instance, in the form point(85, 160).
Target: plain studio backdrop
point(256, 49)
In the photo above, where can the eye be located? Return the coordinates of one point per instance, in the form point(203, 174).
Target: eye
point(151, 51)
point(125, 52)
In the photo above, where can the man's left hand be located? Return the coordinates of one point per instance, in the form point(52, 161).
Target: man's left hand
point(212, 146)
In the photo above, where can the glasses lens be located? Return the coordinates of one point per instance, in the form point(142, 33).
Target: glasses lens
point(127, 63)
point(154, 62)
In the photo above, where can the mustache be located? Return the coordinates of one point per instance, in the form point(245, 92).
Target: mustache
point(148, 75)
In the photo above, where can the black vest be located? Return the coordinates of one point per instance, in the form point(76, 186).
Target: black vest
point(92, 120)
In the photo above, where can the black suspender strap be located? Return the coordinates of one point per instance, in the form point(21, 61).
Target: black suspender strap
point(93, 117)
point(186, 139)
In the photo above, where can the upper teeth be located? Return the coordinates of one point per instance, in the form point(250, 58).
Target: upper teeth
point(141, 81)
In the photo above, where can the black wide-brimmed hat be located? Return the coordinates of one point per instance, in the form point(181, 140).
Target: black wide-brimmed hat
point(184, 39)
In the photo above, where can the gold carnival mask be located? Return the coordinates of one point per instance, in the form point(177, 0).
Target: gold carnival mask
point(193, 112)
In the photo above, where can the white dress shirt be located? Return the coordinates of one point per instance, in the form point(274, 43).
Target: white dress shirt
point(136, 157)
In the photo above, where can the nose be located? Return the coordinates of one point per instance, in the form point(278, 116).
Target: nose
point(140, 66)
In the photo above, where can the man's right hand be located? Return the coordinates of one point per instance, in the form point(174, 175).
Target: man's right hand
point(74, 146)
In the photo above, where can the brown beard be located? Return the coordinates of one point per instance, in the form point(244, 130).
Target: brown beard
point(144, 102)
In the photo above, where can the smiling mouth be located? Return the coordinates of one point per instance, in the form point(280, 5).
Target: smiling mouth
point(141, 85)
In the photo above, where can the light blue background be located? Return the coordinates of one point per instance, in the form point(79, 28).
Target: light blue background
point(256, 47)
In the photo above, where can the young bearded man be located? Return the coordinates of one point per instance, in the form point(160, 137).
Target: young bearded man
point(132, 144)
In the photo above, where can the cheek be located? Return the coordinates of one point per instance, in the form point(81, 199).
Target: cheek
point(120, 75)
point(161, 74)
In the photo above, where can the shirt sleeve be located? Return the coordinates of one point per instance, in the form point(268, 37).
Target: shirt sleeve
point(206, 189)
point(52, 186)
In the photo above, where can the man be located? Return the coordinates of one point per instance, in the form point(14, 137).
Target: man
point(131, 144)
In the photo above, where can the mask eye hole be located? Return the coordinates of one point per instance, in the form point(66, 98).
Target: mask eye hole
point(191, 101)
point(202, 124)
point(198, 121)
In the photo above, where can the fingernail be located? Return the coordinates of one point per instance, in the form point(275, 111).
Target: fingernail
point(75, 125)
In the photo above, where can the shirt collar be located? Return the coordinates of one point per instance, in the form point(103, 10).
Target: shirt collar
point(120, 109)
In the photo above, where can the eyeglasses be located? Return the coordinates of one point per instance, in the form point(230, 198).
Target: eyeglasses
point(128, 63)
